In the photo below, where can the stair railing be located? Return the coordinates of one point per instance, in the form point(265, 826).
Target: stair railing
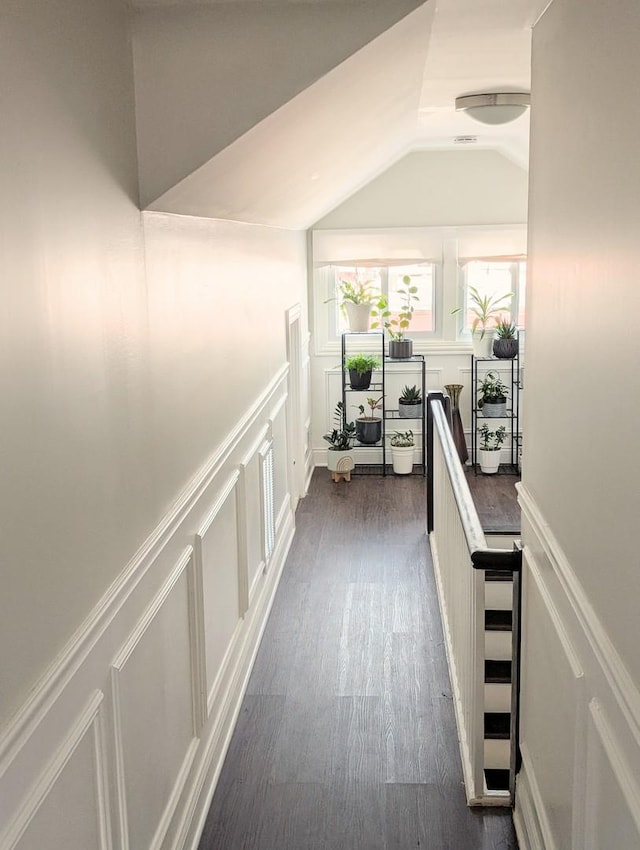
point(460, 555)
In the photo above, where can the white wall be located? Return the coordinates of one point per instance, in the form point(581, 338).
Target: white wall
point(581, 712)
point(434, 188)
point(207, 74)
point(143, 372)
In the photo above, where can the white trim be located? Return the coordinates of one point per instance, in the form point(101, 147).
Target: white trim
point(197, 644)
point(619, 679)
point(60, 672)
point(174, 797)
point(204, 780)
point(47, 779)
point(116, 669)
point(617, 760)
point(525, 815)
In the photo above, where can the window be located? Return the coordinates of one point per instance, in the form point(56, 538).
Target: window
point(496, 278)
point(387, 280)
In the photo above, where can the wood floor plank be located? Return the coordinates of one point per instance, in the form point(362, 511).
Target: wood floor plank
point(346, 738)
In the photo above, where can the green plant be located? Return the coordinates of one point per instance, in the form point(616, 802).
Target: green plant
point(484, 308)
point(396, 326)
point(505, 329)
point(343, 433)
point(359, 292)
point(490, 441)
point(362, 363)
point(492, 390)
point(374, 404)
point(402, 439)
point(411, 395)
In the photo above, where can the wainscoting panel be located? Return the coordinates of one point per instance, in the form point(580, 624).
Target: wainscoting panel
point(579, 785)
point(281, 486)
point(171, 645)
point(154, 723)
point(219, 568)
point(612, 800)
point(74, 783)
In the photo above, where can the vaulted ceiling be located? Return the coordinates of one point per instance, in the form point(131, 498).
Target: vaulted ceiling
point(275, 112)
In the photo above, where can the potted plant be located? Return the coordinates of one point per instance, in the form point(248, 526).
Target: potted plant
point(493, 396)
point(360, 367)
point(400, 348)
point(505, 345)
point(402, 450)
point(340, 459)
point(486, 310)
point(489, 448)
point(356, 302)
point(369, 427)
point(410, 403)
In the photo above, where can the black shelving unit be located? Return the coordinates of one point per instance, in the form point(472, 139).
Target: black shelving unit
point(479, 367)
point(388, 414)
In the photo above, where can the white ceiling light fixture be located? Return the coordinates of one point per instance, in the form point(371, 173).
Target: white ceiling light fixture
point(494, 107)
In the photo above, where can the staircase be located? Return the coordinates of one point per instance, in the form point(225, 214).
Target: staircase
point(498, 623)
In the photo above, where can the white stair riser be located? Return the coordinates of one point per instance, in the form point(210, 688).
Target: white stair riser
point(497, 646)
point(498, 595)
point(497, 697)
point(496, 754)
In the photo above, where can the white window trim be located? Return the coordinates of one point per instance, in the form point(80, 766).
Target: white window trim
point(514, 306)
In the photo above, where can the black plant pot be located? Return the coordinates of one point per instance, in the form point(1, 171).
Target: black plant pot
point(359, 381)
point(400, 349)
point(505, 349)
point(369, 431)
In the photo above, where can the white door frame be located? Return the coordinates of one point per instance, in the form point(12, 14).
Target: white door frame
point(295, 404)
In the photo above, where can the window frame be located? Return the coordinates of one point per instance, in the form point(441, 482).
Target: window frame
point(326, 305)
point(514, 305)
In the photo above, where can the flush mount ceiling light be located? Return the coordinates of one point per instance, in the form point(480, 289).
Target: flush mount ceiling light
point(494, 107)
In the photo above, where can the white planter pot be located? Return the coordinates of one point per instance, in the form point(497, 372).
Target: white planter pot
point(489, 460)
point(402, 458)
point(482, 345)
point(340, 464)
point(358, 316)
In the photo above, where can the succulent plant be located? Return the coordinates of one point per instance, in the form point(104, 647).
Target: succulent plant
point(411, 395)
point(505, 329)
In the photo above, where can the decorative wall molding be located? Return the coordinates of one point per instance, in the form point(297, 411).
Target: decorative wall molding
point(225, 711)
point(531, 834)
point(618, 677)
point(117, 669)
point(89, 719)
point(597, 718)
point(618, 761)
point(59, 674)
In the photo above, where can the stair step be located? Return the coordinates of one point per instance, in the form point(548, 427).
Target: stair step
point(497, 724)
point(497, 780)
point(497, 671)
point(498, 575)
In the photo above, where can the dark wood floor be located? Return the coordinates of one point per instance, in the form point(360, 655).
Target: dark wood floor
point(496, 502)
point(346, 739)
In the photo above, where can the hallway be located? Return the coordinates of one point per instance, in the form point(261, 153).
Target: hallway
point(346, 737)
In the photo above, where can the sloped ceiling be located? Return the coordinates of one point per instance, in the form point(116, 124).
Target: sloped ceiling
point(394, 94)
